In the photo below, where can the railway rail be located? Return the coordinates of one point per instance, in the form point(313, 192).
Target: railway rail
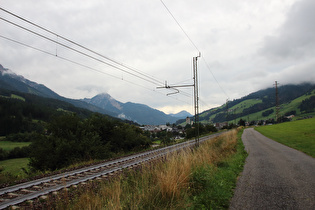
point(17, 194)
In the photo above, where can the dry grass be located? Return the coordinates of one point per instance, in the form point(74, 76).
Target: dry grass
point(162, 185)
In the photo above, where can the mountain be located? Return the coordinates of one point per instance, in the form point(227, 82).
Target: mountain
point(11, 81)
point(260, 105)
point(136, 112)
point(105, 101)
point(182, 114)
point(102, 103)
point(294, 99)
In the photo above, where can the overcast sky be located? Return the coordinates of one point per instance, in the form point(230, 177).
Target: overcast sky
point(245, 46)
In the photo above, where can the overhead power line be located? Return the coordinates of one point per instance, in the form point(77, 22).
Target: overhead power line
point(108, 61)
point(143, 75)
point(169, 11)
point(191, 41)
point(85, 66)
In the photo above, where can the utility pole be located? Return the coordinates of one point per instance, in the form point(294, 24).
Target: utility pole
point(277, 101)
point(196, 96)
point(196, 99)
point(227, 112)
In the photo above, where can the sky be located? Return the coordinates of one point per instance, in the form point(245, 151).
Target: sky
point(245, 46)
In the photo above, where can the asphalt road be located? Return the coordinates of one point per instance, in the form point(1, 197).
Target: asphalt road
point(275, 176)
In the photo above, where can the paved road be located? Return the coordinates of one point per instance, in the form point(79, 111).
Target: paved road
point(274, 177)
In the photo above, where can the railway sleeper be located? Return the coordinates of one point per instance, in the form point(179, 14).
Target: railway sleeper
point(43, 197)
point(12, 195)
point(47, 184)
point(36, 187)
point(26, 191)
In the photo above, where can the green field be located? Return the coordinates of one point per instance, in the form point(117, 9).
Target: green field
point(14, 166)
point(245, 104)
point(298, 134)
point(9, 145)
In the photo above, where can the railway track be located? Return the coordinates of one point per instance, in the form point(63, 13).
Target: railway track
point(17, 194)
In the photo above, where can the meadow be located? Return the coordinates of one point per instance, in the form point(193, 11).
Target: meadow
point(299, 134)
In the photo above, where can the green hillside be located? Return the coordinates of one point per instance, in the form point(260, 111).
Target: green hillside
point(297, 100)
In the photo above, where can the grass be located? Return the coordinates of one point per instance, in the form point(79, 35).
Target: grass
point(245, 104)
point(17, 97)
point(203, 178)
point(9, 145)
point(11, 170)
point(214, 184)
point(14, 97)
point(298, 134)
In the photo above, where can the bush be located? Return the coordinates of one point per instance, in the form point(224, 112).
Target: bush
point(19, 152)
point(3, 154)
point(19, 137)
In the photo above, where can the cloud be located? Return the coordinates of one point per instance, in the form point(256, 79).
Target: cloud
point(247, 45)
point(296, 37)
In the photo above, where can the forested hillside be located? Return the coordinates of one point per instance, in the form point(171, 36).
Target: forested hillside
point(260, 105)
point(22, 112)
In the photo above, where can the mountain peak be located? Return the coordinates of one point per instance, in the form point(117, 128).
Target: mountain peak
point(6, 71)
point(103, 95)
point(104, 101)
point(181, 114)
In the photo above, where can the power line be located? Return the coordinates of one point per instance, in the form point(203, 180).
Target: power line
point(208, 67)
point(143, 76)
point(82, 65)
point(191, 41)
point(75, 43)
point(80, 52)
point(115, 64)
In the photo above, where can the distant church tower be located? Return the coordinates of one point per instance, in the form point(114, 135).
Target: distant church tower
point(188, 120)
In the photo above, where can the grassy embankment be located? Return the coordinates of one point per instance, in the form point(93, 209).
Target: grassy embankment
point(203, 178)
point(298, 134)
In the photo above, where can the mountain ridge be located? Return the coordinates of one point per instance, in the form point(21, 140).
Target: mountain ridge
point(254, 106)
point(102, 103)
point(140, 113)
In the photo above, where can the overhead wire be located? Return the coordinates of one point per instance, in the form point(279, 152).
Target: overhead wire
point(143, 76)
point(79, 45)
point(169, 11)
point(83, 65)
point(80, 52)
point(191, 41)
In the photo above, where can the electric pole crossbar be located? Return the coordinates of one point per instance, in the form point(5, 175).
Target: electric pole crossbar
point(196, 96)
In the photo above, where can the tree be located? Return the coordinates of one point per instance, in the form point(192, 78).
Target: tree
point(241, 122)
point(71, 139)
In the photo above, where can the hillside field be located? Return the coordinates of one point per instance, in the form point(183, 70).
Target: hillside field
point(298, 134)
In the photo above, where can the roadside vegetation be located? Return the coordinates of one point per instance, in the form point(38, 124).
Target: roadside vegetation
point(202, 178)
point(298, 134)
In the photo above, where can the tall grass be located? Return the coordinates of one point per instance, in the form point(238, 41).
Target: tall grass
point(170, 184)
